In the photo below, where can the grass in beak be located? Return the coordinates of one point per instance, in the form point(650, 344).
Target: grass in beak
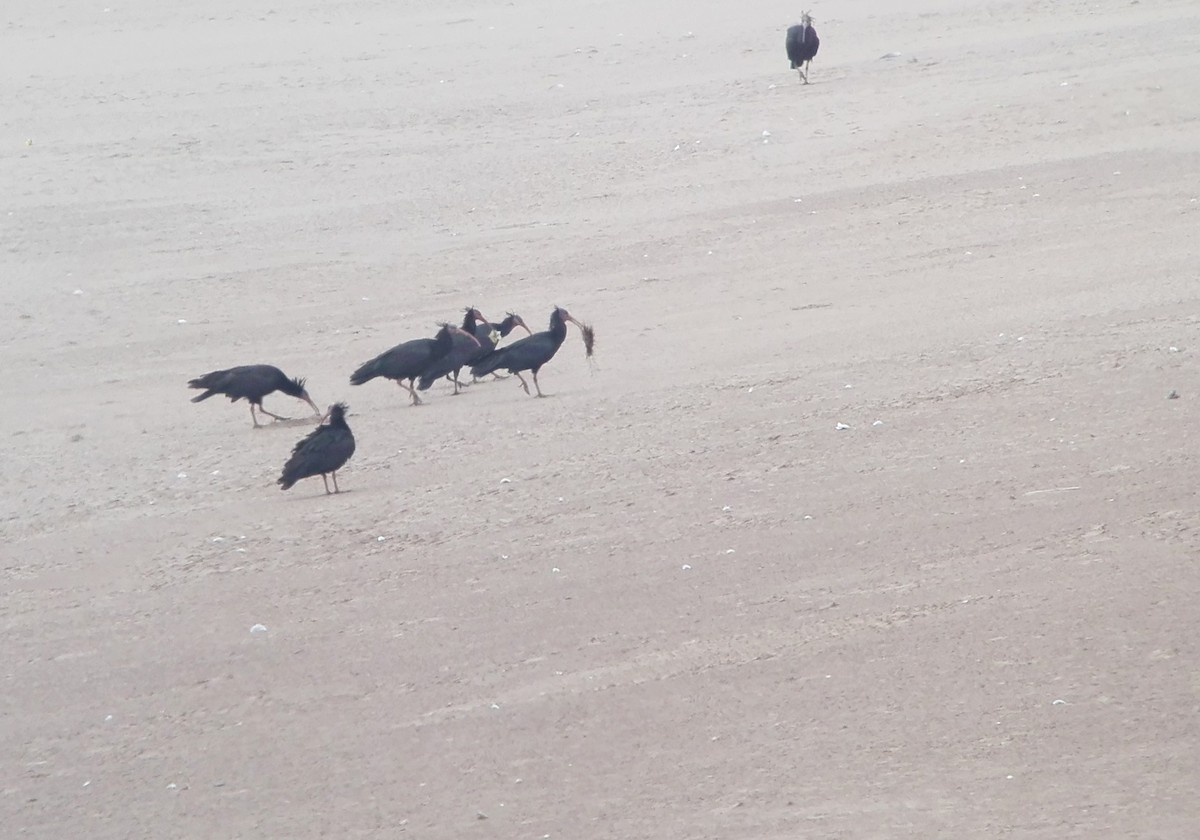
point(589, 338)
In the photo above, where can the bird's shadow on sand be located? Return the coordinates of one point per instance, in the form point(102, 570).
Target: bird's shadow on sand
point(290, 423)
point(312, 497)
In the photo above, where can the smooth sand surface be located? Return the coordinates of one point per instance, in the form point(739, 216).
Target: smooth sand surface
point(673, 599)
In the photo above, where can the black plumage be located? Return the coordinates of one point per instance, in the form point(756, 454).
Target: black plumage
point(407, 360)
point(529, 353)
point(252, 383)
point(465, 349)
point(802, 45)
point(323, 452)
point(489, 336)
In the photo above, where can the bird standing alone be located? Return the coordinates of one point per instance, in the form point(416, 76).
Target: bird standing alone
point(251, 382)
point(802, 45)
point(323, 452)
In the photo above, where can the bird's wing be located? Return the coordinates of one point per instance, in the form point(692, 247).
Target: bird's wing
point(315, 441)
point(520, 343)
point(410, 353)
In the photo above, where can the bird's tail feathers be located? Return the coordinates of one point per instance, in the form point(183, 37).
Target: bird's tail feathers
point(488, 364)
point(366, 373)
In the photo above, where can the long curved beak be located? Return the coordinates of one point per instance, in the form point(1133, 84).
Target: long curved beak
point(573, 321)
point(525, 327)
point(313, 406)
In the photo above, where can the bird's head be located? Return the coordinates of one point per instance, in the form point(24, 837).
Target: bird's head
point(564, 316)
point(296, 388)
point(471, 316)
point(806, 19)
point(336, 413)
point(514, 320)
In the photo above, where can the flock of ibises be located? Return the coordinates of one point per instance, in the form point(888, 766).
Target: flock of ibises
point(420, 362)
point(423, 361)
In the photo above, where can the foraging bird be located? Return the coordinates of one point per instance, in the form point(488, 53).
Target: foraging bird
point(529, 353)
point(489, 336)
point(802, 45)
point(324, 451)
point(467, 348)
point(408, 359)
point(251, 382)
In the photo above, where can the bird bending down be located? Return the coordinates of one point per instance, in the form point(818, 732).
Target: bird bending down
point(252, 383)
point(407, 360)
point(324, 451)
point(466, 348)
point(529, 353)
point(489, 336)
point(802, 45)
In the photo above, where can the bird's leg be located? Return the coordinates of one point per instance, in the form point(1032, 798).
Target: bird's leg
point(536, 385)
point(411, 391)
point(524, 384)
point(269, 414)
point(806, 64)
point(336, 489)
point(254, 417)
point(325, 481)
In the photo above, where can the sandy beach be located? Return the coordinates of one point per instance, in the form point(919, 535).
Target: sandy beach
point(874, 515)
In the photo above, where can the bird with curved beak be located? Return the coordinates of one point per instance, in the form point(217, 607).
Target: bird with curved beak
point(322, 452)
point(408, 359)
point(530, 353)
point(802, 44)
point(490, 335)
point(252, 383)
point(465, 348)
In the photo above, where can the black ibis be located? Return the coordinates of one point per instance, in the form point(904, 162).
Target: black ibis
point(529, 353)
point(252, 383)
point(407, 360)
point(323, 452)
point(802, 45)
point(467, 349)
point(489, 336)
